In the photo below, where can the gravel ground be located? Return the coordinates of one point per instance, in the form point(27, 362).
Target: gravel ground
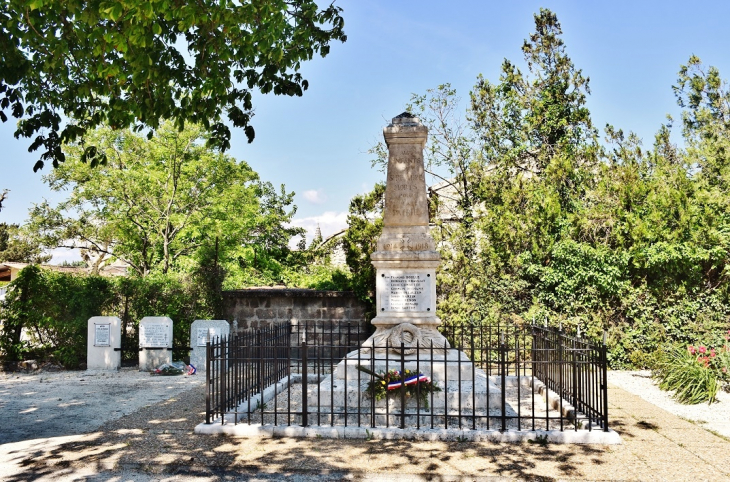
point(155, 443)
point(715, 417)
point(52, 404)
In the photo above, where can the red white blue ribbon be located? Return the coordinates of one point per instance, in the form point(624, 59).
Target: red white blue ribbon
point(411, 380)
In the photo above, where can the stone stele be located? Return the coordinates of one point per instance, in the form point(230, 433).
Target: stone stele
point(155, 337)
point(104, 335)
point(200, 332)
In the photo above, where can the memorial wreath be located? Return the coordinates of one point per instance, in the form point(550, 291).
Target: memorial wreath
point(390, 382)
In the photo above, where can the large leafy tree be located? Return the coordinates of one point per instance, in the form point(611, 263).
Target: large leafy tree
point(518, 168)
point(69, 66)
point(157, 204)
point(535, 127)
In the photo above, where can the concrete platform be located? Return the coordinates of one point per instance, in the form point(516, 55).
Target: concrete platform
point(451, 365)
point(468, 395)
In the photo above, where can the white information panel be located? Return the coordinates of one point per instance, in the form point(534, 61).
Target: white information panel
point(203, 334)
point(102, 335)
point(153, 335)
point(404, 291)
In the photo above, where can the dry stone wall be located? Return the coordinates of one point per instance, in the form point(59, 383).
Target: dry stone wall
point(318, 310)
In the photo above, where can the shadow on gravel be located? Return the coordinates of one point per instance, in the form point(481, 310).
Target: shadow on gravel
point(159, 440)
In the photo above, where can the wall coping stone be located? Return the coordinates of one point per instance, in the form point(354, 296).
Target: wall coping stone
point(287, 292)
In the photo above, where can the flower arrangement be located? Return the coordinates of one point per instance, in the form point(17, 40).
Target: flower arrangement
point(696, 373)
point(390, 382)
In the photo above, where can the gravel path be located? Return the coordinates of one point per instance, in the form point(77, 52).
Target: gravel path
point(715, 417)
point(53, 404)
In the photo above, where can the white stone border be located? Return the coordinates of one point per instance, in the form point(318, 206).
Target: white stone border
point(463, 435)
point(229, 427)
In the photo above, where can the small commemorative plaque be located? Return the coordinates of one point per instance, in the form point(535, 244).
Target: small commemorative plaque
point(102, 335)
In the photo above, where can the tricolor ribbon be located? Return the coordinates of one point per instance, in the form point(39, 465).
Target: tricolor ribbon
point(412, 380)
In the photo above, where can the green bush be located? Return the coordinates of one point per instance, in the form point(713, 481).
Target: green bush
point(52, 309)
point(45, 313)
point(694, 374)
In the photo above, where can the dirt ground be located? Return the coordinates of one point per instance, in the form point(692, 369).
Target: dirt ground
point(52, 404)
point(157, 443)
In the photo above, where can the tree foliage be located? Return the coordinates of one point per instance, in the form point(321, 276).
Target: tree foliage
point(3, 196)
point(536, 218)
point(17, 247)
point(71, 66)
point(161, 204)
point(365, 224)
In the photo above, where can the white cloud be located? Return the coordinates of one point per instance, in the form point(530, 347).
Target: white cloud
point(329, 223)
point(315, 196)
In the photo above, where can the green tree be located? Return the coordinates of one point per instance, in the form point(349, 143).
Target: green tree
point(705, 97)
point(517, 171)
point(69, 67)
point(17, 247)
point(365, 224)
point(156, 204)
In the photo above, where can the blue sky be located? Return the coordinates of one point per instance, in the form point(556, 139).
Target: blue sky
point(316, 145)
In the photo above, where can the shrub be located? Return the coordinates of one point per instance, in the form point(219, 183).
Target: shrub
point(45, 313)
point(694, 374)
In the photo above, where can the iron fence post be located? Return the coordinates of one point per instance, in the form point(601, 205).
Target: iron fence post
point(561, 369)
point(305, 402)
point(260, 361)
point(208, 356)
point(402, 385)
point(222, 376)
point(574, 381)
point(604, 384)
point(503, 363)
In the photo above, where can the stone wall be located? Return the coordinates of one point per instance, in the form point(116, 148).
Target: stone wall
point(260, 307)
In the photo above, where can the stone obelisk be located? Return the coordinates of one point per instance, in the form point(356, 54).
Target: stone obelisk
point(406, 258)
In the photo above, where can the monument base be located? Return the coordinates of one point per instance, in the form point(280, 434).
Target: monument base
point(465, 397)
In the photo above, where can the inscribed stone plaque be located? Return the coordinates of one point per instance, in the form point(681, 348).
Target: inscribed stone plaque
point(102, 335)
point(153, 335)
point(203, 334)
point(404, 291)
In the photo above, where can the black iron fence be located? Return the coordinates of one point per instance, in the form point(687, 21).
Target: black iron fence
point(492, 377)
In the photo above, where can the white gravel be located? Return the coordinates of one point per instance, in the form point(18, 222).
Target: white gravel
point(715, 417)
point(53, 404)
